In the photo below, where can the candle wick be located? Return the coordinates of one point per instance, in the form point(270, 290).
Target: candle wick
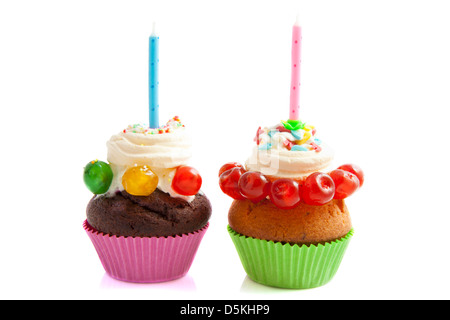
point(297, 20)
point(154, 29)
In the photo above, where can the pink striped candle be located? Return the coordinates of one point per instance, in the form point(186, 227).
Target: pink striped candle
point(295, 71)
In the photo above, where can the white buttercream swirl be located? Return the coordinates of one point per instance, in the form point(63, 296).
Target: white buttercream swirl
point(271, 156)
point(168, 150)
point(289, 164)
point(163, 153)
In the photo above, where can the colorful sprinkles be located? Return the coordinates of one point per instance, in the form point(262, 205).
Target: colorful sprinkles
point(292, 135)
point(170, 126)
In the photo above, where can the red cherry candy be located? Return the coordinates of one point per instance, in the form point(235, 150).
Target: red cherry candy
point(345, 183)
point(284, 193)
point(353, 168)
point(318, 189)
point(228, 166)
point(228, 182)
point(187, 181)
point(254, 186)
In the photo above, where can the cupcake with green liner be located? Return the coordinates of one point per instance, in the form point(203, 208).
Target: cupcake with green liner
point(289, 266)
point(289, 221)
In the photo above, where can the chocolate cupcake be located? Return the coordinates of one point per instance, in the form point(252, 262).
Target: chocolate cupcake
point(156, 215)
point(148, 214)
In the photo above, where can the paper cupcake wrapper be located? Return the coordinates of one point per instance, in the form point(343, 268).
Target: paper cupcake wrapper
point(289, 266)
point(145, 259)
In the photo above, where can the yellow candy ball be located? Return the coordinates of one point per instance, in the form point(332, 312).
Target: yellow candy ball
point(139, 181)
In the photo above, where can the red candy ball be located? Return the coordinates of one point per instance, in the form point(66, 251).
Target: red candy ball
point(284, 193)
point(254, 186)
point(228, 166)
point(353, 168)
point(228, 182)
point(318, 189)
point(345, 183)
point(187, 181)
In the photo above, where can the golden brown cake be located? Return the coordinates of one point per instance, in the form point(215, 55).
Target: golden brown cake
point(304, 224)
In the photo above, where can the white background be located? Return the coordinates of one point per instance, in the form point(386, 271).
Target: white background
point(375, 82)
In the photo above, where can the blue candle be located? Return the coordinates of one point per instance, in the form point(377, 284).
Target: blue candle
point(153, 79)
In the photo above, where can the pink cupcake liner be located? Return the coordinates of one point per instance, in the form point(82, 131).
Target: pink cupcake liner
point(146, 259)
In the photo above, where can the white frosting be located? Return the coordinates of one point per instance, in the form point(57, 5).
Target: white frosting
point(289, 164)
point(271, 157)
point(163, 153)
point(167, 150)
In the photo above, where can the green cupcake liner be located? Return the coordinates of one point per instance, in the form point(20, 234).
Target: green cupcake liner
point(289, 266)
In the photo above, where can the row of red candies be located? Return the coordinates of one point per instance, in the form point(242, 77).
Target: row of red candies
point(318, 188)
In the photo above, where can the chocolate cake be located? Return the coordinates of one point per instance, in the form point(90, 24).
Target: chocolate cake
point(156, 215)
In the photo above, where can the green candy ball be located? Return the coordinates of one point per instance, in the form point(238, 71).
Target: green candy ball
point(97, 176)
